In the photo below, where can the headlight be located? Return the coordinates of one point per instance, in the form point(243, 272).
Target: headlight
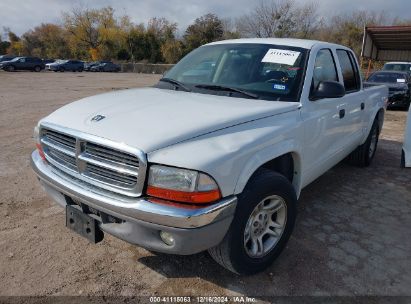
point(36, 137)
point(181, 185)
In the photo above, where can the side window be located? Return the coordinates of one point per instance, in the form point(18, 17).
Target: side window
point(349, 70)
point(324, 68)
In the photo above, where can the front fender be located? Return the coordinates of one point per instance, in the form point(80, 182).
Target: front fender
point(269, 153)
point(233, 154)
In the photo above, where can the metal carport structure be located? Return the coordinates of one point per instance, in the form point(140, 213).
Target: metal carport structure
point(386, 43)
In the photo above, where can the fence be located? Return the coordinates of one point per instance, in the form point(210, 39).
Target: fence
point(145, 68)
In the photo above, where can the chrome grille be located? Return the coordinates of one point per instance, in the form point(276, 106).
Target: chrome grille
point(109, 176)
point(100, 164)
point(63, 159)
point(61, 140)
point(111, 155)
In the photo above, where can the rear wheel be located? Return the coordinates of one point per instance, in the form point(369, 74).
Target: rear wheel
point(402, 164)
point(262, 224)
point(37, 68)
point(62, 69)
point(364, 154)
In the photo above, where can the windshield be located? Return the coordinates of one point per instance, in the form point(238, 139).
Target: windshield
point(387, 77)
point(15, 59)
point(271, 72)
point(397, 67)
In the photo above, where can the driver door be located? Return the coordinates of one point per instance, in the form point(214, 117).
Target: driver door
point(323, 121)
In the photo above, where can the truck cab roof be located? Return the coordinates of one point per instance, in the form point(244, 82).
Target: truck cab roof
point(301, 43)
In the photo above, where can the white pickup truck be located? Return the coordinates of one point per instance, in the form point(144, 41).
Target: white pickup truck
point(213, 157)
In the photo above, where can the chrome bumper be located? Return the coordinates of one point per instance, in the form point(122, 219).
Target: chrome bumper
point(131, 209)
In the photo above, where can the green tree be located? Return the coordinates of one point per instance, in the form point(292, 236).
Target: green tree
point(92, 31)
point(172, 51)
point(205, 29)
point(4, 45)
point(16, 46)
point(46, 41)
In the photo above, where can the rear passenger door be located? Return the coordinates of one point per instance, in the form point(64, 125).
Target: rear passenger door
point(354, 99)
point(29, 64)
point(20, 64)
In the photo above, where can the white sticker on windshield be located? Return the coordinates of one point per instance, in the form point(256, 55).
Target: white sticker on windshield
point(281, 56)
point(401, 80)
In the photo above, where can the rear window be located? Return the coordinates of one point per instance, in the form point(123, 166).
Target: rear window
point(387, 77)
point(349, 70)
point(397, 67)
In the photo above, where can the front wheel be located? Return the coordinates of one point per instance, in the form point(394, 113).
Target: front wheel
point(10, 68)
point(262, 224)
point(37, 69)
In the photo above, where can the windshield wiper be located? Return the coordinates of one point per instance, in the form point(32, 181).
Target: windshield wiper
point(224, 88)
point(176, 83)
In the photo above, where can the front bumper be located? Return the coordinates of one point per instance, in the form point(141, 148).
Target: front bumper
point(398, 100)
point(194, 230)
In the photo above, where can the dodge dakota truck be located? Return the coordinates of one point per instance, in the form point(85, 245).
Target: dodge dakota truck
point(214, 156)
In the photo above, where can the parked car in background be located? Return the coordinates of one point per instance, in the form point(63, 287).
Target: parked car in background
point(105, 67)
point(89, 65)
point(6, 57)
point(23, 63)
point(213, 164)
point(47, 61)
point(406, 150)
point(399, 87)
point(66, 65)
point(398, 67)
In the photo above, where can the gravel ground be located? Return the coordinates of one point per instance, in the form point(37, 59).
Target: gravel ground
point(352, 235)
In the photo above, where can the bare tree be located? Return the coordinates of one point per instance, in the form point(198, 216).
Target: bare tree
point(274, 18)
point(280, 18)
point(307, 21)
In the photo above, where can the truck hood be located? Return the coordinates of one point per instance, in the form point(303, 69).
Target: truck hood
point(151, 118)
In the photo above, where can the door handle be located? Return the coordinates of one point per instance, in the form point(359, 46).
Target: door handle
point(342, 113)
point(362, 106)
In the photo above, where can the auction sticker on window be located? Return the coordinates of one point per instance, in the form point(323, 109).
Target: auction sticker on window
point(281, 56)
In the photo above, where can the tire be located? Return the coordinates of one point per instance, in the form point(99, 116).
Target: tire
point(364, 154)
point(37, 69)
point(80, 70)
point(10, 68)
point(234, 252)
point(62, 70)
point(402, 163)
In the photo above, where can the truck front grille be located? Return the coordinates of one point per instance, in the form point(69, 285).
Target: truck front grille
point(101, 165)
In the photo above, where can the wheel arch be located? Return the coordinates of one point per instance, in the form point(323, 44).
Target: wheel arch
point(287, 163)
point(377, 114)
point(380, 117)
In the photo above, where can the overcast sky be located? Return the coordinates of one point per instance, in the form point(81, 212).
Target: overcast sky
point(21, 15)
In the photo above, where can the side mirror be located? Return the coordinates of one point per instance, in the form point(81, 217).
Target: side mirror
point(328, 89)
